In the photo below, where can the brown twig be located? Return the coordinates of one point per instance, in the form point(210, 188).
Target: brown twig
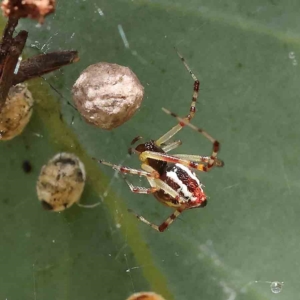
point(11, 48)
point(43, 64)
point(10, 65)
point(7, 38)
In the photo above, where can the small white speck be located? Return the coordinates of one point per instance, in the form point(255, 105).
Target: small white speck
point(123, 36)
point(53, 241)
point(18, 65)
point(38, 135)
point(118, 225)
point(99, 10)
point(291, 55)
point(72, 35)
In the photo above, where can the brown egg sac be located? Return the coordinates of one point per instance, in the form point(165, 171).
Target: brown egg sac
point(16, 112)
point(145, 296)
point(107, 95)
point(61, 182)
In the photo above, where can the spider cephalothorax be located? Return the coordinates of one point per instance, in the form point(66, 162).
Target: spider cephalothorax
point(157, 165)
point(171, 178)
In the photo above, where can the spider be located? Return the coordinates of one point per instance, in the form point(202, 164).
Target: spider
point(171, 179)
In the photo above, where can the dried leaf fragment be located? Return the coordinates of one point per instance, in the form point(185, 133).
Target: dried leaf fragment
point(34, 9)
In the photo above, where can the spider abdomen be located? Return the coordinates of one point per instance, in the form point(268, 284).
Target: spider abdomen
point(185, 182)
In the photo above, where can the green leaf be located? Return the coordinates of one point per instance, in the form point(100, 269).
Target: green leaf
point(246, 55)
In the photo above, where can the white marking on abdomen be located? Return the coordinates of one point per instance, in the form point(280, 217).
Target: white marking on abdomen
point(182, 187)
point(190, 173)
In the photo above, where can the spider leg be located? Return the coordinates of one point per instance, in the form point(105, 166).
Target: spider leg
point(166, 147)
point(163, 226)
point(156, 185)
point(199, 158)
point(216, 144)
point(204, 167)
point(192, 112)
point(177, 199)
point(157, 182)
point(141, 190)
point(127, 170)
point(152, 176)
point(170, 146)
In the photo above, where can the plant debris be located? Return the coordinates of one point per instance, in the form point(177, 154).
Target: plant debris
point(34, 9)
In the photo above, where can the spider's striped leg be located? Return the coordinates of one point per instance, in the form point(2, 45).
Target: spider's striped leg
point(166, 147)
point(170, 146)
point(141, 190)
point(199, 158)
point(196, 88)
point(156, 185)
point(127, 170)
point(192, 112)
point(204, 167)
point(163, 226)
point(216, 144)
point(152, 176)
